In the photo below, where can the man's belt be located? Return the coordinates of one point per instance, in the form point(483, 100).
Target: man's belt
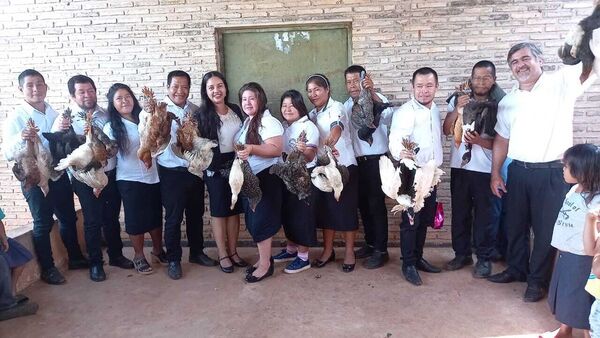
point(539, 165)
point(368, 158)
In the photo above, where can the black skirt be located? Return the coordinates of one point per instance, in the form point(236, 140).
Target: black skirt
point(299, 218)
point(568, 300)
point(339, 215)
point(219, 196)
point(265, 221)
point(142, 206)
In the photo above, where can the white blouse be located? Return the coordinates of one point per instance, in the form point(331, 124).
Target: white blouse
point(230, 125)
point(269, 127)
point(291, 133)
point(334, 114)
point(129, 166)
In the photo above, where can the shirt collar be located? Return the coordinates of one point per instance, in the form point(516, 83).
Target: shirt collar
point(30, 110)
point(416, 104)
point(169, 102)
point(535, 86)
point(325, 107)
point(298, 121)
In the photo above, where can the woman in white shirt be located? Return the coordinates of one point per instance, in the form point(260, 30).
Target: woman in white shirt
point(332, 121)
point(261, 136)
point(220, 120)
point(298, 215)
point(139, 186)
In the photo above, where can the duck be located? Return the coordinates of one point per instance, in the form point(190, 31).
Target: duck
point(293, 171)
point(33, 164)
point(366, 113)
point(250, 187)
point(328, 175)
point(155, 132)
point(191, 147)
point(236, 180)
point(576, 47)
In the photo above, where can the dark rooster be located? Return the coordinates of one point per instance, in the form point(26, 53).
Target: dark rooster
point(293, 171)
point(62, 143)
point(366, 113)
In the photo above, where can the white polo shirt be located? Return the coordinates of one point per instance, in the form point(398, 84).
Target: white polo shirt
point(291, 133)
point(421, 125)
point(380, 135)
point(167, 158)
point(334, 114)
point(269, 127)
point(539, 123)
point(481, 158)
point(17, 121)
point(129, 166)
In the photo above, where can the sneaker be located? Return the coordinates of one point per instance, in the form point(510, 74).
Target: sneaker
point(297, 265)
point(284, 256)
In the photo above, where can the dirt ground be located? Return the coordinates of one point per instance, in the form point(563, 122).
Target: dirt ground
point(315, 303)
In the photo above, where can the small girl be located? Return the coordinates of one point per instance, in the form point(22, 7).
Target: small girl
point(592, 246)
point(568, 300)
point(16, 256)
point(298, 216)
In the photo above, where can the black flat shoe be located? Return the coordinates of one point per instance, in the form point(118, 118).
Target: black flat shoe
point(348, 267)
point(364, 252)
point(121, 262)
point(250, 269)
point(425, 266)
point(174, 270)
point(202, 259)
point(226, 269)
point(241, 263)
point(319, 263)
point(504, 277)
point(252, 279)
point(20, 299)
point(412, 275)
point(97, 273)
point(53, 277)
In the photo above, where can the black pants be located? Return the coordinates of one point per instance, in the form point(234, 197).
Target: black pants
point(371, 204)
point(59, 201)
point(182, 192)
point(534, 199)
point(472, 212)
point(412, 237)
point(101, 213)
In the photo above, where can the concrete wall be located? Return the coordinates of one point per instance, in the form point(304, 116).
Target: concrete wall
point(138, 42)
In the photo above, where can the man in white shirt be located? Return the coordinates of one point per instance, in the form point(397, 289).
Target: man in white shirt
point(99, 212)
point(419, 121)
point(59, 200)
point(471, 164)
point(534, 128)
point(371, 199)
point(181, 191)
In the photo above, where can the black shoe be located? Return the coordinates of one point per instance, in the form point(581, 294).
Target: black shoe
point(483, 268)
point(226, 269)
point(121, 262)
point(203, 259)
point(504, 277)
point(252, 279)
point(160, 258)
point(174, 270)
point(319, 263)
point(250, 269)
point(53, 277)
point(425, 266)
point(78, 264)
point(364, 252)
point(19, 310)
point(97, 273)
point(20, 299)
point(533, 294)
point(412, 275)
point(348, 267)
point(377, 260)
point(459, 262)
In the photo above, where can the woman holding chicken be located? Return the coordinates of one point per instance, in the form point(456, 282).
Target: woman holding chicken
point(138, 185)
point(220, 120)
point(261, 140)
point(336, 212)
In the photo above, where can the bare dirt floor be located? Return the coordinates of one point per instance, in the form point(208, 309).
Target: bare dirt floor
point(314, 303)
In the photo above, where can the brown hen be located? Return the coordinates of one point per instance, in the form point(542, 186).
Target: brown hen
point(155, 134)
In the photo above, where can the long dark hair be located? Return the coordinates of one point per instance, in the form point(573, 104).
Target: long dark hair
point(297, 101)
point(208, 119)
point(114, 117)
point(583, 162)
point(252, 136)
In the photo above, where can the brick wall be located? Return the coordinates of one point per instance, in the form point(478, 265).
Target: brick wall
point(138, 42)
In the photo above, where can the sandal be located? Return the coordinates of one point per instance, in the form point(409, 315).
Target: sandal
point(241, 263)
point(141, 266)
point(159, 258)
point(228, 269)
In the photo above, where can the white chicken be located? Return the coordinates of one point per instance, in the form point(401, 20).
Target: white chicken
point(191, 147)
point(426, 178)
point(328, 177)
point(236, 180)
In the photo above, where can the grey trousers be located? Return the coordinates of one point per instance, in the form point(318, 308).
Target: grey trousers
point(6, 295)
